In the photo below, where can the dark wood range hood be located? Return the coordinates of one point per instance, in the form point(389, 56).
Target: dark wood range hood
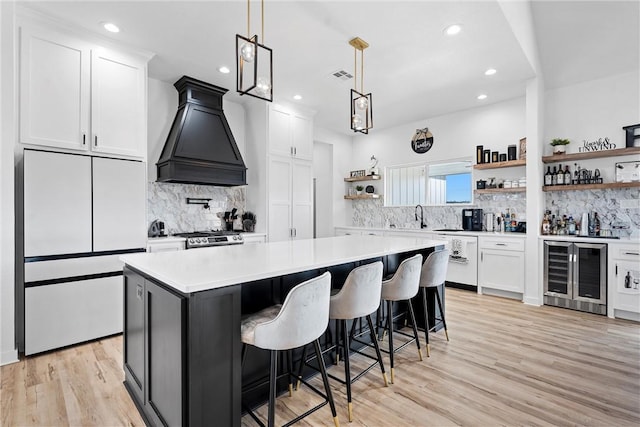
point(200, 148)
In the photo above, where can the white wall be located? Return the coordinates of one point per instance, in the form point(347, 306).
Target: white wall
point(342, 164)
point(323, 175)
point(163, 105)
point(8, 352)
point(455, 135)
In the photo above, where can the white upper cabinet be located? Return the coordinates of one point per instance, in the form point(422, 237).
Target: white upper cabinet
point(118, 113)
point(290, 133)
point(54, 90)
point(79, 96)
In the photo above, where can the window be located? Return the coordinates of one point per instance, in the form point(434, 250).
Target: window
point(435, 184)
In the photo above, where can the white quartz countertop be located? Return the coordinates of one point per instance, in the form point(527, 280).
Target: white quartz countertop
point(587, 239)
point(428, 232)
point(215, 267)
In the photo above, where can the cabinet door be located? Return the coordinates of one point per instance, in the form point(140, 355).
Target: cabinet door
point(627, 286)
point(133, 329)
point(68, 313)
point(57, 203)
point(165, 344)
point(118, 113)
point(279, 199)
point(502, 270)
point(119, 204)
point(54, 90)
point(302, 199)
point(279, 131)
point(302, 135)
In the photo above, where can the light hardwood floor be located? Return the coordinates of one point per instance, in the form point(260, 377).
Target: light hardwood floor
point(506, 364)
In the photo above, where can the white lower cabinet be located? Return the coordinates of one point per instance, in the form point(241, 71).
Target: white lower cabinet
point(169, 245)
point(501, 264)
point(62, 314)
point(624, 280)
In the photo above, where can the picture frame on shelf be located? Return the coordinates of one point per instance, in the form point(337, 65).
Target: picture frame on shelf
point(522, 153)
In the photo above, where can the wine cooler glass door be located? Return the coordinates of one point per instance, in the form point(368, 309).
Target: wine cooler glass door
point(590, 272)
point(558, 272)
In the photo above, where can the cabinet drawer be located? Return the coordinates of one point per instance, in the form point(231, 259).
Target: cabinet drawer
point(502, 244)
point(626, 252)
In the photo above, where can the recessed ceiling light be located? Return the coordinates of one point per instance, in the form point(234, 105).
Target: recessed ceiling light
point(224, 70)
point(297, 97)
point(452, 30)
point(482, 96)
point(490, 72)
point(113, 28)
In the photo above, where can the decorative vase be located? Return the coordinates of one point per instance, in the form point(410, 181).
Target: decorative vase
point(559, 149)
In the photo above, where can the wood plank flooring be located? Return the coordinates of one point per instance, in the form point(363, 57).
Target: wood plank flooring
point(506, 364)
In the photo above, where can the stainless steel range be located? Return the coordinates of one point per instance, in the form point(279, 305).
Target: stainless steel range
point(202, 239)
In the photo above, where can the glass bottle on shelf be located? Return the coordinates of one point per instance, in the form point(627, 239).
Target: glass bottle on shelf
point(546, 225)
point(547, 177)
point(567, 175)
point(554, 176)
point(596, 224)
point(560, 176)
point(572, 226)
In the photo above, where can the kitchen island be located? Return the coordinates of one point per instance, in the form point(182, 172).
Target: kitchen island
point(183, 311)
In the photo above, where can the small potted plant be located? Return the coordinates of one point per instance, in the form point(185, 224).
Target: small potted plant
point(248, 221)
point(359, 189)
point(558, 145)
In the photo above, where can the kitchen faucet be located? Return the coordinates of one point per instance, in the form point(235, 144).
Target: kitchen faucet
point(422, 224)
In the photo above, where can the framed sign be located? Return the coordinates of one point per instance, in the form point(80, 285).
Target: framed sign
point(422, 141)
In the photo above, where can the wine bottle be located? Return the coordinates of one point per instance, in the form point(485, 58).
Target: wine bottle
point(554, 176)
point(547, 176)
point(567, 175)
point(560, 177)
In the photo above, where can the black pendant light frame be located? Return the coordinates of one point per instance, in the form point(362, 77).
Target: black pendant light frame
point(240, 67)
point(367, 112)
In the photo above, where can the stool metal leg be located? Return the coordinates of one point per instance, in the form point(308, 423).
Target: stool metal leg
point(426, 321)
point(272, 387)
point(390, 328)
point(290, 368)
point(347, 370)
point(444, 322)
point(377, 347)
point(325, 380)
point(415, 329)
point(300, 369)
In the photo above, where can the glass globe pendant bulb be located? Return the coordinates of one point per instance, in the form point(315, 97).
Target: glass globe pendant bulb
point(362, 103)
point(356, 120)
point(263, 86)
point(248, 52)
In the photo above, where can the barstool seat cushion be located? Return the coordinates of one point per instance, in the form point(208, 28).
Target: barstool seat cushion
point(249, 323)
point(301, 319)
point(360, 294)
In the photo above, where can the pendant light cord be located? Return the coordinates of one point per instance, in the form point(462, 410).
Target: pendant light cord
point(262, 13)
point(362, 71)
point(248, 18)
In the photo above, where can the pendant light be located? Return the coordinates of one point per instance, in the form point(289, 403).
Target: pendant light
point(254, 63)
point(361, 105)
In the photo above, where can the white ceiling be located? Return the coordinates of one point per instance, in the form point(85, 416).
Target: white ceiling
point(412, 69)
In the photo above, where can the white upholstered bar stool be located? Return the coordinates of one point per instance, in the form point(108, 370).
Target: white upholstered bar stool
point(300, 320)
point(403, 286)
point(358, 297)
point(434, 274)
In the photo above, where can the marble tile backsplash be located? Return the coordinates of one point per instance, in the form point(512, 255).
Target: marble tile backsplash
point(372, 213)
point(606, 203)
point(168, 202)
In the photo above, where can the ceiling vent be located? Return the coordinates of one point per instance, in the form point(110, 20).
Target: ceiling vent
point(342, 75)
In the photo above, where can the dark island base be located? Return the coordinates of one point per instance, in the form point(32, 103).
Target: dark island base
point(182, 351)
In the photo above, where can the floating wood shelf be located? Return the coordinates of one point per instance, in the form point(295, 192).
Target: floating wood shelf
point(556, 158)
point(500, 190)
point(363, 196)
point(363, 178)
point(591, 186)
point(497, 165)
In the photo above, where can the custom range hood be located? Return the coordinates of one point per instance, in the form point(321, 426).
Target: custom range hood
point(200, 148)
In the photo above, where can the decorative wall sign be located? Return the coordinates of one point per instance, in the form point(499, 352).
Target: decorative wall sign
point(358, 173)
point(600, 144)
point(523, 149)
point(422, 141)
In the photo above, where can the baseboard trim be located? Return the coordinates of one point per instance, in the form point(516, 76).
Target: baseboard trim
point(532, 301)
point(8, 357)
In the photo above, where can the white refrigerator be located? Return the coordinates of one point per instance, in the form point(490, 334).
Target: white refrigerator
point(80, 214)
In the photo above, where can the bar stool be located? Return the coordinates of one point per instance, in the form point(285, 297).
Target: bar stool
point(434, 273)
point(300, 320)
point(403, 286)
point(358, 297)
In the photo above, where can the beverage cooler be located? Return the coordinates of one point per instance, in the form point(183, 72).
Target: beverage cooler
point(575, 276)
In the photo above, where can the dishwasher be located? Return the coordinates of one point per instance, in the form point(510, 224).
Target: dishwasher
point(462, 271)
